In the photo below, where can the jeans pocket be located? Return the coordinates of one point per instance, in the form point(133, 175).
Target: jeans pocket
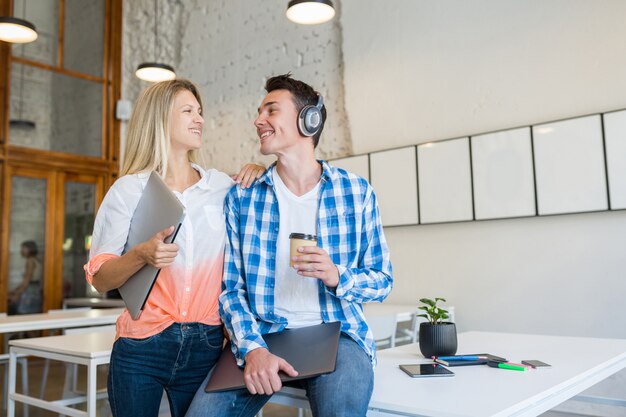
point(213, 337)
point(139, 342)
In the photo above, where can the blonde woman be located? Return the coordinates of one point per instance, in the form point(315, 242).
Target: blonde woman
point(178, 337)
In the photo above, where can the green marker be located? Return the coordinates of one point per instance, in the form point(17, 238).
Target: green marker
point(504, 365)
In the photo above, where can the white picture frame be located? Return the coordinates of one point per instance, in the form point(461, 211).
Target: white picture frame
point(358, 164)
point(569, 166)
point(503, 174)
point(615, 142)
point(394, 178)
point(445, 186)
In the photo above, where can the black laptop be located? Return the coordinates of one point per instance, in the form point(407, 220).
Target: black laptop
point(310, 350)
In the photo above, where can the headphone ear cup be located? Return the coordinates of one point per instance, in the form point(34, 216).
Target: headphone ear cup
point(309, 120)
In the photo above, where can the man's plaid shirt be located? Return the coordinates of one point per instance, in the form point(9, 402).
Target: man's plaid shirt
point(348, 228)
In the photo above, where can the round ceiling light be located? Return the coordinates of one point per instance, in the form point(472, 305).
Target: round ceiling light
point(155, 72)
point(310, 12)
point(16, 30)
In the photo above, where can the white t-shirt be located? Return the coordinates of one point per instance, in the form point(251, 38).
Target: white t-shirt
point(296, 297)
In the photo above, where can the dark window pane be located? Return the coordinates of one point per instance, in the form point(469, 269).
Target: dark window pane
point(45, 16)
point(27, 244)
point(55, 112)
point(84, 36)
point(80, 199)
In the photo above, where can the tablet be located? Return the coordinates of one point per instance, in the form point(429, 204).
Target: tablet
point(426, 370)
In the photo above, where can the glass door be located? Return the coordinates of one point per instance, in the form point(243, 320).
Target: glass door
point(27, 265)
point(81, 193)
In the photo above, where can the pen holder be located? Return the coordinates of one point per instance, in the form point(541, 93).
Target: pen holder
point(437, 339)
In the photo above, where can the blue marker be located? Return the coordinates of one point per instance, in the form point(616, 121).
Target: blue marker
point(461, 358)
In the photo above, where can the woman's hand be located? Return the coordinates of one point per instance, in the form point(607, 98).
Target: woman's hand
point(156, 252)
point(248, 174)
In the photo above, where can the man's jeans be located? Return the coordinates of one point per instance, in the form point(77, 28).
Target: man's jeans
point(345, 392)
point(177, 360)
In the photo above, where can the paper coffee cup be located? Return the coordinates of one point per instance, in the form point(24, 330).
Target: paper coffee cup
point(300, 239)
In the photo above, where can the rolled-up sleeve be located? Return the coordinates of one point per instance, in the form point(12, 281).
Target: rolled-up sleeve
point(112, 224)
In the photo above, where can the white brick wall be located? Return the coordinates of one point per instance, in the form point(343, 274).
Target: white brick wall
point(228, 48)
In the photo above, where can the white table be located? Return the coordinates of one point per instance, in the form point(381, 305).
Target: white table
point(64, 320)
point(90, 349)
point(577, 364)
point(93, 302)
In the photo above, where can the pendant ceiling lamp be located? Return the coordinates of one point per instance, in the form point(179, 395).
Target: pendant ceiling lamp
point(15, 30)
point(20, 122)
point(310, 12)
point(155, 71)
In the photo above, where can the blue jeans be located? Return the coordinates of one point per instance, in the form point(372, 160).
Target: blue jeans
point(345, 392)
point(175, 360)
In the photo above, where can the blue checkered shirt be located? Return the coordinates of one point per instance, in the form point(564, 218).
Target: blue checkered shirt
point(348, 228)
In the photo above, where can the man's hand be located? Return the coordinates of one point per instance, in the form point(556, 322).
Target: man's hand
point(261, 372)
point(316, 263)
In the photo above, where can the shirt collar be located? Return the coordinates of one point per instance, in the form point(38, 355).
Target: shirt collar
point(205, 178)
point(328, 173)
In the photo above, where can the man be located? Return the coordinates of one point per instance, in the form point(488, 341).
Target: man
point(264, 294)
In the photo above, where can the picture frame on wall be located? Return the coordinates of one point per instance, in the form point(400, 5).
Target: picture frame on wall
point(358, 164)
point(615, 142)
point(394, 178)
point(569, 166)
point(503, 174)
point(445, 185)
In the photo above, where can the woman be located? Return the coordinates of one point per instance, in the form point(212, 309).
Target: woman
point(178, 337)
point(26, 297)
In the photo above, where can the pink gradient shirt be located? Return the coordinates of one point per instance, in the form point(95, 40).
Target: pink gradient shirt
point(188, 290)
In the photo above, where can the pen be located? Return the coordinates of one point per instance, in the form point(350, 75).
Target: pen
point(520, 364)
point(461, 358)
point(439, 361)
point(505, 365)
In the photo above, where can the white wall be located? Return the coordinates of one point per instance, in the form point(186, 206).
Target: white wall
point(421, 70)
point(418, 70)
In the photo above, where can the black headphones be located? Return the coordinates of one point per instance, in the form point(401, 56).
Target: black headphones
point(310, 118)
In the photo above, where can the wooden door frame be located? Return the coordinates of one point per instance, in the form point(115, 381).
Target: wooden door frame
point(58, 165)
point(56, 295)
point(49, 259)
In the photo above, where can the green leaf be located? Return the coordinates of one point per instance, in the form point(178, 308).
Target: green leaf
point(428, 301)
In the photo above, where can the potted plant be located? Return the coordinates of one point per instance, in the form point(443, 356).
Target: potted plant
point(436, 337)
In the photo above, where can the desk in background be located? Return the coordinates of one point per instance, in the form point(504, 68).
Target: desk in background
point(577, 364)
point(93, 302)
point(64, 320)
point(90, 349)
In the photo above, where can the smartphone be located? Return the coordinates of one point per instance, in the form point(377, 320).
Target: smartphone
point(536, 364)
point(424, 370)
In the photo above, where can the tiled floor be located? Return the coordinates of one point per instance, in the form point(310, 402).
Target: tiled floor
point(54, 390)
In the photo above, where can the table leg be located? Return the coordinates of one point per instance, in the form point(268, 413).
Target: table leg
point(92, 369)
point(11, 390)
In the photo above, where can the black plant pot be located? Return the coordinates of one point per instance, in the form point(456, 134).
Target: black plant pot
point(437, 339)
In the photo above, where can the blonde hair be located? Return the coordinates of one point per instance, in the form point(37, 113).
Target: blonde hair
point(148, 138)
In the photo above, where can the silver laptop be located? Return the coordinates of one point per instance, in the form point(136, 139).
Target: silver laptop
point(158, 208)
